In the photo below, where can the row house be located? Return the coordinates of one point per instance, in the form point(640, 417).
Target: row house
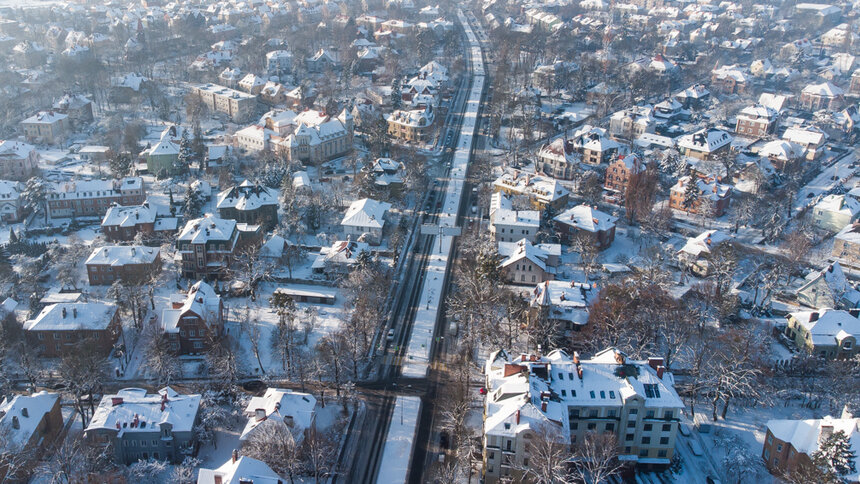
point(122, 224)
point(194, 320)
point(530, 396)
point(208, 245)
point(61, 327)
point(587, 221)
point(249, 203)
point(126, 263)
point(139, 426)
point(717, 195)
point(558, 159)
point(756, 121)
point(93, 198)
point(18, 161)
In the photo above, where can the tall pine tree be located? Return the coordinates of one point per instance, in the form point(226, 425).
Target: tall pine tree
point(691, 194)
point(835, 457)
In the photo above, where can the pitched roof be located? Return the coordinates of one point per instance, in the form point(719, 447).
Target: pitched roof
point(366, 213)
point(295, 409)
point(243, 469)
point(586, 218)
point(72, 317)
point(120, 255)
point(133, 410)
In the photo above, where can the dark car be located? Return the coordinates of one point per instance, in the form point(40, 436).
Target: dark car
point(444, 440)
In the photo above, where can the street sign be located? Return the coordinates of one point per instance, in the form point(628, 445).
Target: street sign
point(429, 229)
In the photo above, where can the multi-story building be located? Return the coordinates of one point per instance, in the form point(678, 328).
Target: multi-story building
point(294, 409)
point(846, 246)
point(527, 264)
point(756, 121)
point(707, 188)
point(127, 263)
point(194, 319)
point(77, 107)
point(822, 96)
point(365, 220)
point(705, 144)
point(595, 145)
point(279, 62)
point(828, 333)
point(11, 208)
point(310, 137)
point(834, 212)
point(563, 302)
point(730, 80)
point(694, 97)
point(209, 244)
point(249, 203)
point(789, 444)
point(30, 424)
point(631, 123)
point(61, 327)
point(542, 191)
point(588, 221)
point(93, 198)
point(414, 125)
point(124, 223)
point(46, 127)
point(237, 104)
point(162, 158)
point(619, 172)
point(252, 84)
point(239, 470)
point(558, 159)
point(534, 396)
point(18, 161)
point(142, 426)
point(508, 225)
point(812, 139)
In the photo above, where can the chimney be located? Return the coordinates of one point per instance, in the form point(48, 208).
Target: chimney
point(826, 432)
point(543, 406)
point(518, 417)
point(25, 412)
point(260, 414)
point(813, 317)
point(17, 425)
point(579, 371)
point(846, 413)
point(235, 455)
point(576, 358)
point(655, 362)
point(660, 370)
point(116, 401)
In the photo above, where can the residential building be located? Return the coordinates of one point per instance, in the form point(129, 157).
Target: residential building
point(705, 144)
point(756, 121)
point(30, 424)
point(387, 174)
point(587, 221)
point(273, 93)
point(828, 333)
point(854, 88)
point(162, 159)
point(509, 225)
point(542, 191)
point(619, 172)
point(324, 60)
point(781, 152)
point(812, 139)
point(846, 246)
point(310, 137)
point(249, 203)
point(826, 96)
point(230, 77)
point(61, 327)
point(11, 207)
point(194, 319)
point(730, 80)
point(528, 264)
point(238, 105)
point(340, 258)
point(296, 410)
point(252, 84)
point(828, 288)
point(208, 245)
point(697, 250)
point(595, 146)
point(18, 161)
point(279, 62)
point(77, 107)
point(526, 394)
point(413, 125)
point(46, 127)
point(694, 97)
point(710, 195)
point(834, 212)
point(239, 470)
point(631, 123)
point(93, 198)
point(365, 220)
point(142, 426)
point(127, 263)
point(558, 159)
point(790, 444)
point(563, 302)
point(122, 224)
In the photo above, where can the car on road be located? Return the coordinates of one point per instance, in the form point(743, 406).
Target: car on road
point(390, 336)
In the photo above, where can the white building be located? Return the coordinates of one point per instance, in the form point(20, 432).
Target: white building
point(296, 410)
point(834, 212)
point(365, 219)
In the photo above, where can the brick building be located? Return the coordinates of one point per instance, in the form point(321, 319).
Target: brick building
point(93, 198)
point(194, 319)
point(61, 327)
point(125, 263)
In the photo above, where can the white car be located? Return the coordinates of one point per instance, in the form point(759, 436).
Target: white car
point(390, 336)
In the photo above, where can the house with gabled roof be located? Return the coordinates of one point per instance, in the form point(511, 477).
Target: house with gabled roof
point(835, 212)
point(61, 327)
point(124, 223)
point(558, 159)
point(705, 143)
point(707, 189)
point(563, 302)
point(828, 333)
point(340, 258)
point(365, 220)
point(239, 470)
point(30, 424)
point(249, 203)
point(696, 251)
point(526, 263)
point(828, 288)
point(822, 96)
point(127, 263)
point(194, 320)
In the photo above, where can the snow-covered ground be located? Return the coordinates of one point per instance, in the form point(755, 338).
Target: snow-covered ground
point(399, 442)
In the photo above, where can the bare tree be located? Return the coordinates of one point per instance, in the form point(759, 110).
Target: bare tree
point(318, 450)
point(273, 443)
point(160, 359)
point(548, 454)
point(596, 458)
point(82, 369)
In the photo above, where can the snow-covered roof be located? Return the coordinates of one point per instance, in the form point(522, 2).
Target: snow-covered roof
point(708, 187)
point(35, 406)
point(567, 300)
point(16, 149)
point(344, 252)
point(758, 111)
point(825, 89)
point(45, 117)
point(523, 249)
point(805, 136)
point(73, 316)
point(781, 150)
point(129, 216)
point(839, 204)
point(247, 196)
point(519, 218)
point(366, 213)
point(133, 410)
point(201, 300)
point(239, 471)
point(587, 218)
point(543, 189)
point(704, 243)
point(705, 140)
point(806, 435)
point(828, 326)
point(120, 255)
point(295, 409)
point(208, 227)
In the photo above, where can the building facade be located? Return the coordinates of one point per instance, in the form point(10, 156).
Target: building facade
point(62, 327)
point(194, 321)
point(18, 161)
point(93, 198)
point(127, 263)
point(238, 105)
point(249, 203)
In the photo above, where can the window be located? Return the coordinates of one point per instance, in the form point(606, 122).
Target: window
point(155, 443)
point(610, 427)
point(574, 426)
point(611, 394)
point(611, 413)
point(629, 438)
point(525, 461)
point(507, 426)
point(634, 411)
point(649, 414)
point(631, 424)
point(56, 335)
point(647, 427)
point(492, 456)
point(643, 453)
point(561, 376)
point(591, 393)
point(191, 333)
point(602, 394)
point(766, 453)
point(592, 426)
point(508, 445)
point(668, 415)
point(846, 345)
point(779, 448)
point(646, 440)
point(41, 336)
point(661, 453)
point(667, 427)
point(592, 414)
point(564, 393)
point(664, 440)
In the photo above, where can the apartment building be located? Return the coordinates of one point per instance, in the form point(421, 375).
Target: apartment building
point(588, 221)
point(30, 424)
point(18, 161)
point(619, 172)
point(705, 143)
point(127, 263)
point(249, 203)
point(61, 327)
point(194, 319)
point(93, 198)
point(208, 245)
point(124, 223)
point(310, 137)
point(46, 127)
point(572, 398)
point(414, 125)
point(238, 105)
point(828, 333)
point(558, 159)
point(542, 191)
point(142, 426)
point(709, 193)
point(756, 121)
